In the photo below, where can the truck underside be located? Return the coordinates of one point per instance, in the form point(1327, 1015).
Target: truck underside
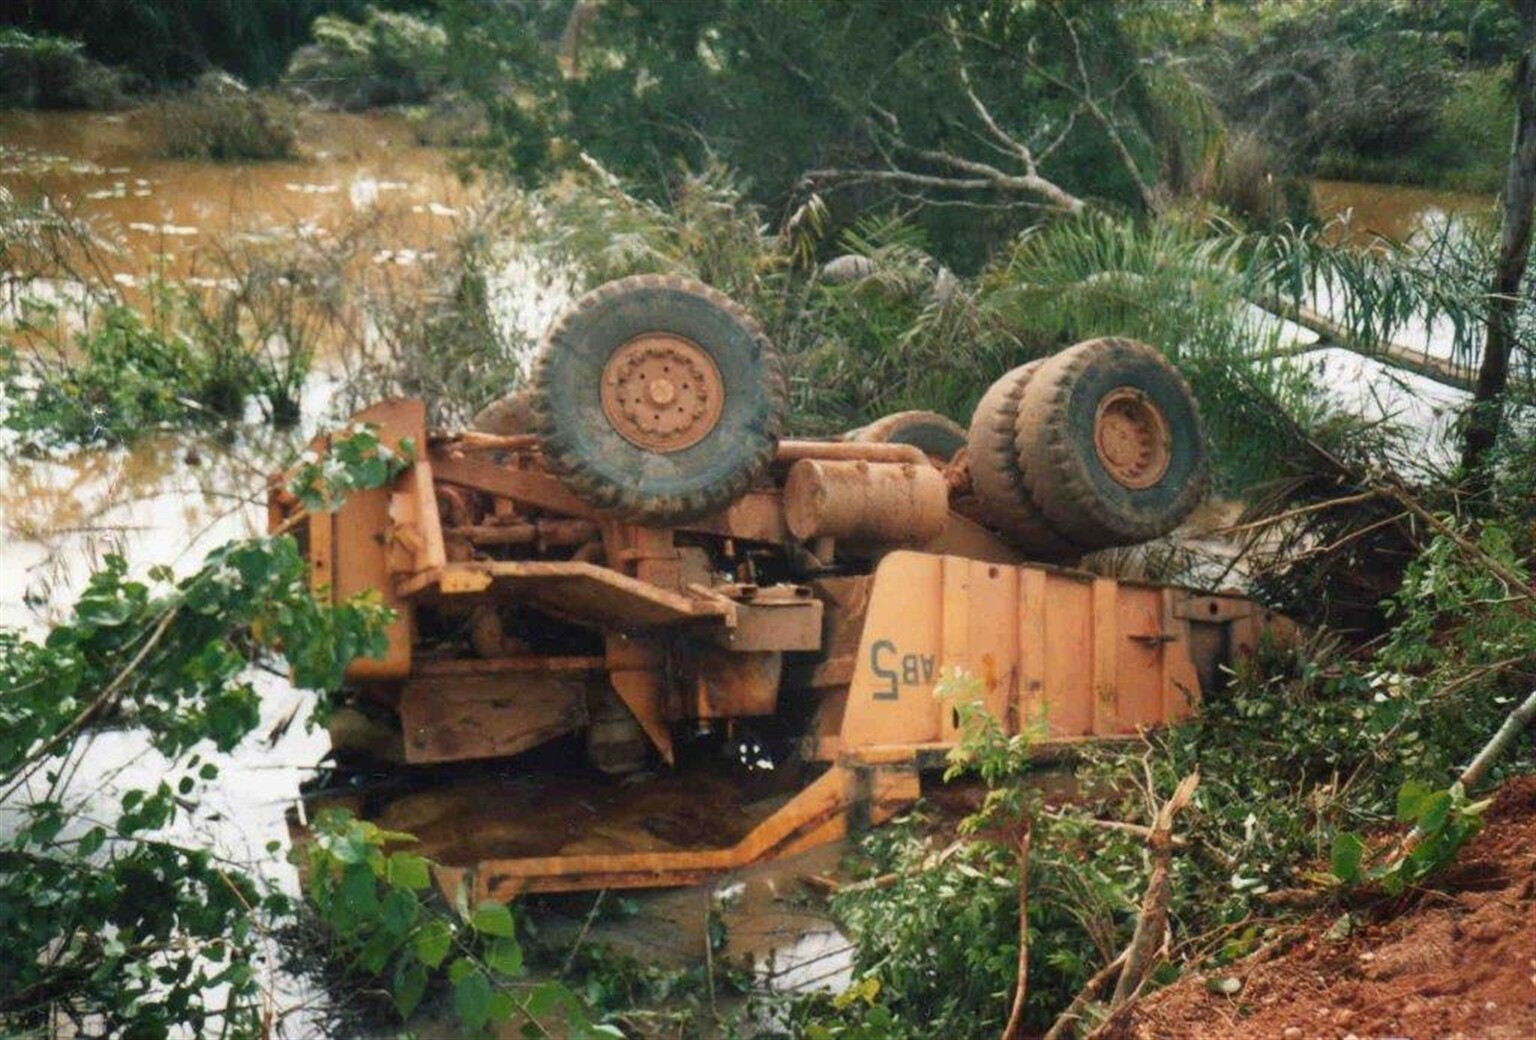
point(582, 651)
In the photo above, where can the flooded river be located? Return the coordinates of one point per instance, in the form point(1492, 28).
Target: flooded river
point(160, 211)
point(172, 497)
point(1397, 211)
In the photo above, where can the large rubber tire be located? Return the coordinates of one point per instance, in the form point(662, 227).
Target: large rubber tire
point(929, 432)
point(1066, 478)
point(997, 477)
point(585, 450)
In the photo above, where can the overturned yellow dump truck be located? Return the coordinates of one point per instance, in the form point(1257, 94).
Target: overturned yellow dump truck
point(628, 585)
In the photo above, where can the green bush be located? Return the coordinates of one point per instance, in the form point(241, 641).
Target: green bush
point(1465, 150)
point(389, 58)
point(123, 378)
point(192, 359)
point(41, 71)
point(222, 121)
point(106, 915)
point(1472, 133)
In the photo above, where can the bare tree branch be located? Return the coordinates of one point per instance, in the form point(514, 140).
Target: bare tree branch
point(979, 176)
point(1084, 94)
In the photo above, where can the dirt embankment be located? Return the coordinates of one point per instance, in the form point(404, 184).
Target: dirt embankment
point(1459, 961)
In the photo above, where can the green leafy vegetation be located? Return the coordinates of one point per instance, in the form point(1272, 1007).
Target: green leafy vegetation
point(388, 58)
point(1372, 89)
point(110, 914)
point(169, 43)
point(1307, 752)
point(221, 121)
point(128, 373)
point(44, 71)
point(355, 460)
point(386, 923)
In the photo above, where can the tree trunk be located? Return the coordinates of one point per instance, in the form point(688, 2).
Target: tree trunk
point(1487, 414)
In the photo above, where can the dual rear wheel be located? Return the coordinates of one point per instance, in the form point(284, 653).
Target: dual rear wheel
point(1097, 446)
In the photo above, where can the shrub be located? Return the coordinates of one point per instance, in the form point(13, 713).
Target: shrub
point(1251, 185)
point(389, 58)
point(124, 377)
point(222, 121)
point(44, 71)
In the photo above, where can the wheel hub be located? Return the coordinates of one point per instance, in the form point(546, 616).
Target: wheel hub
point(1131, 438)
point(662, 392)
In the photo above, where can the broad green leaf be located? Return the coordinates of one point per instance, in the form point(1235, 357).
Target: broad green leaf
point(492, 918)
point(359, 891)
point(546, 997)
point(1348, 850)
point(433, 942)
point(408, 870)
point(377, 951)
point(472, 1000)
point(505, 956)
point(1433, 811)
point(1409, 799)
point(501, 1007)
point(410, 985)
point(398, 911)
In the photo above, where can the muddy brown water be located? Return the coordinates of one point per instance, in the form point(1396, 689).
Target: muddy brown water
point(1397, 211)
point(172, 497)
point(161, 210)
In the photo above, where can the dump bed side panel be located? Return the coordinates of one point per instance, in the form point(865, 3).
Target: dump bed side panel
point(1059, 654)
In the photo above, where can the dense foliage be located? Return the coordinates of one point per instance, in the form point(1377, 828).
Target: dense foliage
point(170, 42)
point(779, 90)
point(1371, 89)
point(45, 71)
point(109, 914)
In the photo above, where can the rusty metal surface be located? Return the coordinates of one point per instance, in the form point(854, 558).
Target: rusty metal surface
point(347, 547)
point(662, 392)
point(530, 487)
point(792, 451)
point(757, 516)
point(576, 591)
point(689, 637)
point(1054, 652)
point(892, 504)
point(816, 815)
point(453, 718)
point(540, 533)
point(780, 617)
point(1131, 438)
point(729, 684)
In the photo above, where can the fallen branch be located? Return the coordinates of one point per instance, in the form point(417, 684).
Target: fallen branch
point(1153, 918)
point(1461, 541)
point(1136, 961)
point(930, 862)
point(1136, 829)
point(1514, 723)
point(1069, 1018)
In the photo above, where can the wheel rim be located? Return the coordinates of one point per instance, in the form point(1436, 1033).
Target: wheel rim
point(1131, 438)
point(662, 392)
